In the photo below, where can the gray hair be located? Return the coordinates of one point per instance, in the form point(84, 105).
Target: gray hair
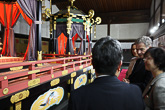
point(146, 40)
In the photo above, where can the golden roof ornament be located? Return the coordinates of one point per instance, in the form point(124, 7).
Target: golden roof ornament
point(48, 12)
point(98, 20)
point(91, 13)
point(72, 2)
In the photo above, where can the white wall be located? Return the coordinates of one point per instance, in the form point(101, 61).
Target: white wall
point(122, 31)
point(101, 31)
point(128, 31)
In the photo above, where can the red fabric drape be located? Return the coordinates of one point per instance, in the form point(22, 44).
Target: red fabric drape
point(74, 39)
point(88, 38)
point(9, 15)
point(62, 40)
point(29, 21)
point(73, 42)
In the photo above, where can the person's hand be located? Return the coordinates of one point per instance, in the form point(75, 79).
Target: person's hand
point(126, 80)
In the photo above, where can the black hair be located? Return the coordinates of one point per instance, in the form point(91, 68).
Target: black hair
point(106, 56)
point(158, 55)
point(131, 49)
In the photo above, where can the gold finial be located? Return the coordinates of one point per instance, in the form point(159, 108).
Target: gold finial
point(39, 55)
point(72, 2)
point(91, 13)
point(98, 20)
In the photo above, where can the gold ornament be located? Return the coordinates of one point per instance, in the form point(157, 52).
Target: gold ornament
point(65, 72)
point(39, 55)
point(47, 12)
point(33, 71)
point(92, 21)
point(73, 74)
point(85, 69)
point(5, 77)
point(5, 91)
point(69, 23)
point(91, 13)
point(55, 82)
point(72, 2)
point(19, 96)
point(98, 20)
point(43, 16)
point(16, 68)
point(34, 82)
point(18, 106)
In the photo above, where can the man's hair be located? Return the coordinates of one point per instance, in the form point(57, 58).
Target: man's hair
point(158, 55)
point(146, 40)
point(106, 56)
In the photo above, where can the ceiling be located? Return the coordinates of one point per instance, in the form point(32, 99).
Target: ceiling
point(113, 11)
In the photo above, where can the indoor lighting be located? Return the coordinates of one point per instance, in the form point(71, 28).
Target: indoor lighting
point(152, 30)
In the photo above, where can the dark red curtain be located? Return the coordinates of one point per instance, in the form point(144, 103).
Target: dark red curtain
point(74, 38)
point(9, 15)
point(62, 41)
point(28, 11)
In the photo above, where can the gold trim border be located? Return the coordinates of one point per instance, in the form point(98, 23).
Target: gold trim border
point(34, 82)
point(73, 74)
point(55, 82)
point(19, 96)
point(16, 68)
point(65, 72)
point(33, 71)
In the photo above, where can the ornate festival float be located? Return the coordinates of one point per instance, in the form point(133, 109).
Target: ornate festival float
point(45, 83)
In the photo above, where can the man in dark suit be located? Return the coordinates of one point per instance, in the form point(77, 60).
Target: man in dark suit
point(140, 76)
point(106, 92)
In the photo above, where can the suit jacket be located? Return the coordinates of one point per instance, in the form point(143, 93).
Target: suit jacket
point(140, 76)
point(154, 94)
point(106, 93)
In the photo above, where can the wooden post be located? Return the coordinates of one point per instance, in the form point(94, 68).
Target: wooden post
point(39, 43)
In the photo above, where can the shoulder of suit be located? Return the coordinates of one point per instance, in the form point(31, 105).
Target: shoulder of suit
point(134, 58)
point(159, 80)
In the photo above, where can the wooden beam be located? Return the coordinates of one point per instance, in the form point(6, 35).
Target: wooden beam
point(125, 17)
point(58, 1)
point(125, 13)
point(9, 0)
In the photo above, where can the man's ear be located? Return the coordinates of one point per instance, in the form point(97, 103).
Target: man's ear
point(119, 66)
point(118, 69)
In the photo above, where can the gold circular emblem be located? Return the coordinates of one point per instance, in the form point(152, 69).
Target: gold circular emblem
point(5, 91)
point(5, 77)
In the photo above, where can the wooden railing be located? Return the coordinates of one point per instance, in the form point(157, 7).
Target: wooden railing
point(37, 72)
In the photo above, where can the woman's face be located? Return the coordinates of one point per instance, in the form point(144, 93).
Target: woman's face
point(134, 52)
point(149, 63)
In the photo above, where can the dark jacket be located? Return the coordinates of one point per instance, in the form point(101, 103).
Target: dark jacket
point(140, 76)
point(106, 93)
